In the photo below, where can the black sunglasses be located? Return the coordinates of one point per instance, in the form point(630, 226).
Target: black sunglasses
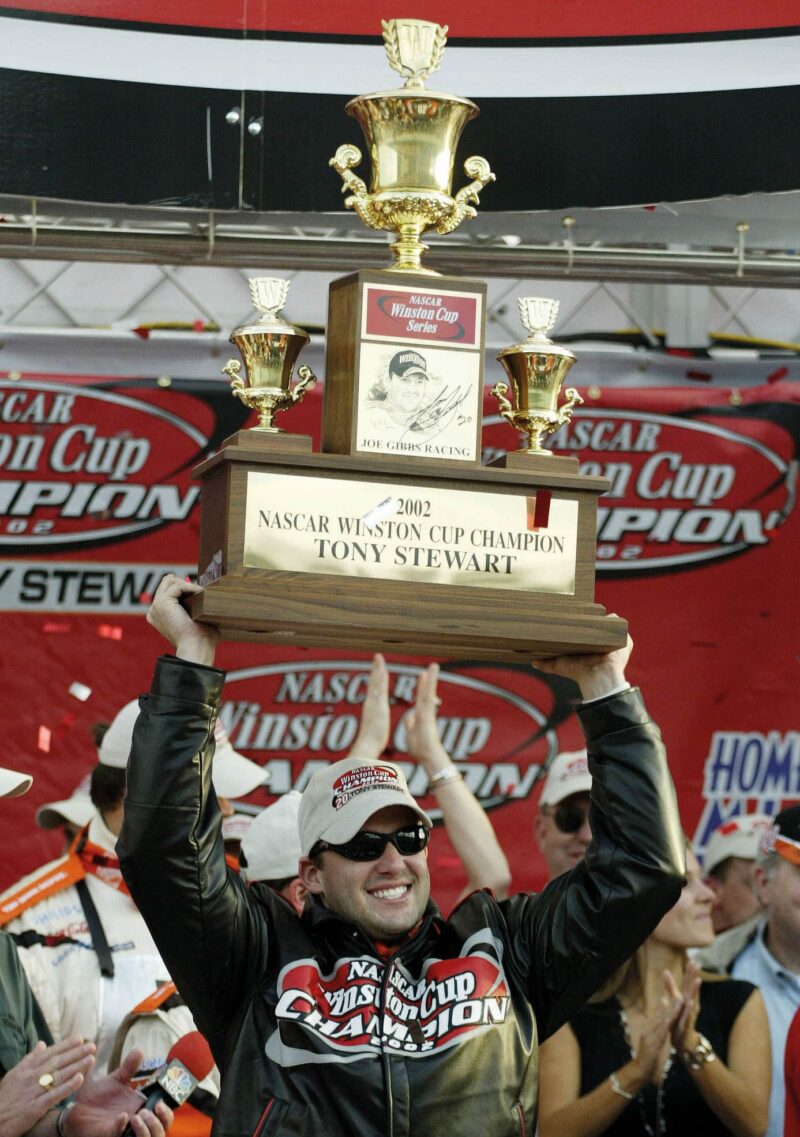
point(366, 846)
point(569, 816)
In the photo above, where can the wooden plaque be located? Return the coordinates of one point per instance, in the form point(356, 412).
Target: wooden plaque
point(372, 554)
point(404, 368)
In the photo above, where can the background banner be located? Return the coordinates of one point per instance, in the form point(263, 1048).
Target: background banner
point(131, 101)
point(697, 543)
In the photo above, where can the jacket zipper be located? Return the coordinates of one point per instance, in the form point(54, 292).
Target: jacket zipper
point(263, 1119)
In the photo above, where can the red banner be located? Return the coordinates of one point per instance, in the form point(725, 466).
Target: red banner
point(695, 547)
point(510, 18)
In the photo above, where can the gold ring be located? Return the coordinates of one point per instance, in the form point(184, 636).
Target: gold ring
point(47, 1081)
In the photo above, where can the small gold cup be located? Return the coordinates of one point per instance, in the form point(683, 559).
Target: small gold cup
point(536, 369)
point(412, 135)
point(269, 349)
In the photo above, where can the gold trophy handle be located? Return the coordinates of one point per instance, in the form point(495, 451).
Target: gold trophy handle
point(500, 390)
point(573, 400)
point(232, 369)
point(343, 160)
point(479, 170)
point(305, 381)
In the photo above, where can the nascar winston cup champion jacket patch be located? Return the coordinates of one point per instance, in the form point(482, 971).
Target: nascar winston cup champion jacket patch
point(453, 1000)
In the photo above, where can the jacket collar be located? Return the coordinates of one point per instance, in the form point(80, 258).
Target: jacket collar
point(319, 920)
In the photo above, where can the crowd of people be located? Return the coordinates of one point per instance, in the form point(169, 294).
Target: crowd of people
point(637, 994)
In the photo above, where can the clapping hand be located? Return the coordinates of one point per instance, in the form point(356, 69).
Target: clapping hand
point(373, 731)
point(41, 1080)
point(651, 1051)
point(106, 1105)
point(684, 1034)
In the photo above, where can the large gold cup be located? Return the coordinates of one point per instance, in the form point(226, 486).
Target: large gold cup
point(412, 136)
point(269, 349)
point(536, 370)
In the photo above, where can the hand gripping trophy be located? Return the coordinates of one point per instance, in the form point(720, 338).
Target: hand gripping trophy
point(412, 135)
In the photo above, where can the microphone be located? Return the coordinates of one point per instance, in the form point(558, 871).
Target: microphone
point(188, 1062)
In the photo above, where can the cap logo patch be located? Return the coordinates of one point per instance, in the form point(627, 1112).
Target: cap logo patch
point(766, 840)
point(361, 780)
point(575, 769)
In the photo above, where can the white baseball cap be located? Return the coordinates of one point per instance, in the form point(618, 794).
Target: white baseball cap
point(271, 845)
point(568, 775)
point(234, 776)
point(13, 784)
point(738, 837)
point(339, 799)
point(115, 746)
point(235, 826)
point(76, 810)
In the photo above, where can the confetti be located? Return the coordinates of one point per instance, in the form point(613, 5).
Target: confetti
point(109, 631)
point(381, 511)
point(80, 691)
point(53, 628)
point(145, 598)
point(44, 739)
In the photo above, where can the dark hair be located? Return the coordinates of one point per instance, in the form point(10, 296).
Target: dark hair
point(107, 788)
point(97, 731)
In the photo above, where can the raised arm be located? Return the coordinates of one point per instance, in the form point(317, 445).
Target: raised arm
point(588, 921)
point(469, 829)
point(171, 849)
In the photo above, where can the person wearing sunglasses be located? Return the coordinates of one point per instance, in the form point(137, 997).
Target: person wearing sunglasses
point(562, 825)
point(371, 1014)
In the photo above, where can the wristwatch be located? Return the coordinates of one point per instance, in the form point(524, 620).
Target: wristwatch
point(703, 1053)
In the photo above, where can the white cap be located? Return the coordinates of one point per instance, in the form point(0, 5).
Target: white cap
point(271, 845)
point(738, 837)
point(115, 746)
point(339, 799)
point(234, 776)
point(568, 775)
point(235, 826)
point(12, 783)
point(76, 810)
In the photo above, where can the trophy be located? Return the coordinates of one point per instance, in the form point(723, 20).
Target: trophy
point(394, 537)
point(412, 135)
point(536, 370)
point(269, 349)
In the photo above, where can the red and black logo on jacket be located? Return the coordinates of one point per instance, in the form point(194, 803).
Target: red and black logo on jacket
point(454, 999)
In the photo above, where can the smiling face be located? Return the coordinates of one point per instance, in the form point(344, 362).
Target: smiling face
point(406, 392)
point(688, 922)
point(385, 897)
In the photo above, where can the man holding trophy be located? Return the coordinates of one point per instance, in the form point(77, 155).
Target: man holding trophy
point(370, 1013)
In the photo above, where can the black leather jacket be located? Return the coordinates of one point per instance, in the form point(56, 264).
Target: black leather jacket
point(314, 1032)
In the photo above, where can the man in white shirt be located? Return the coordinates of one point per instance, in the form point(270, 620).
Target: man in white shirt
point(772, 958)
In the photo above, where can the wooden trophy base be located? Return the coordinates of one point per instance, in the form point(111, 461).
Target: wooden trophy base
point(271, 506)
